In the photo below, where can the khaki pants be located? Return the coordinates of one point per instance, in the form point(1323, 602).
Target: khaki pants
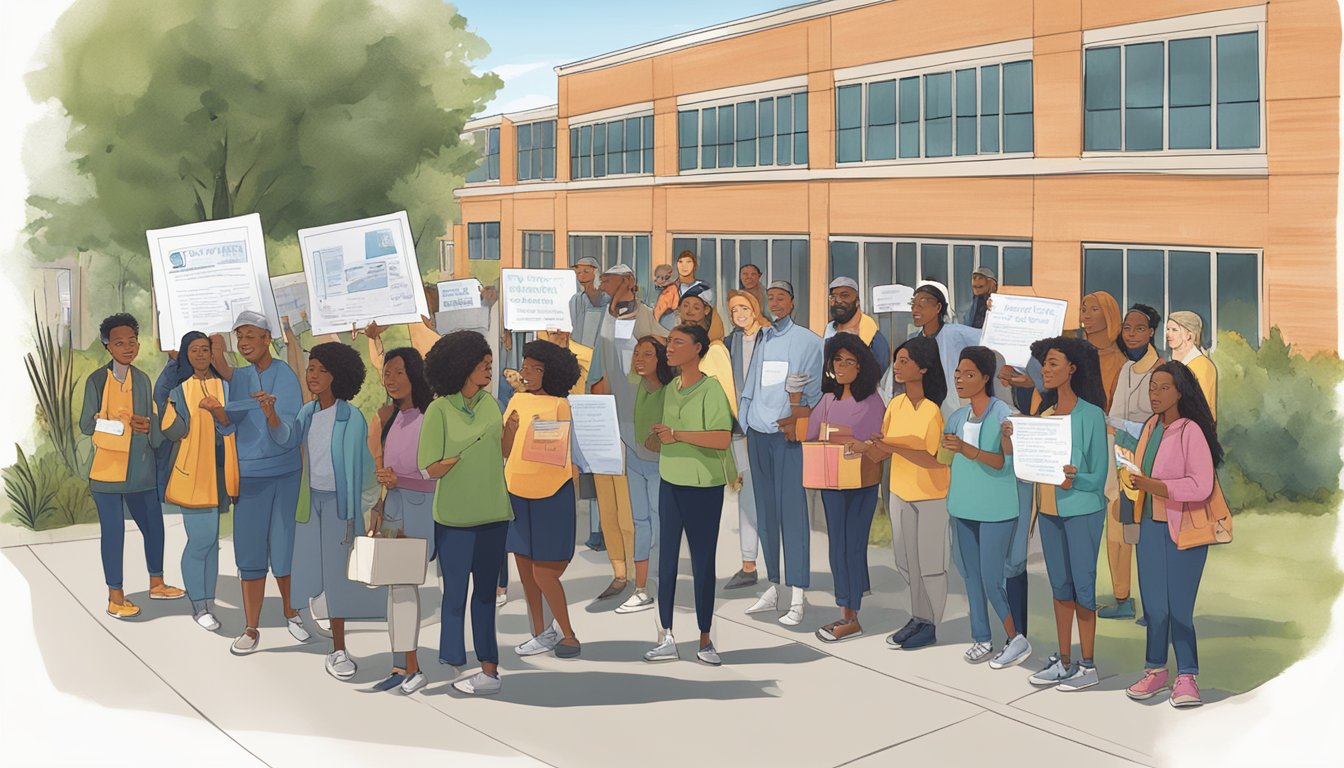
point(618, 521)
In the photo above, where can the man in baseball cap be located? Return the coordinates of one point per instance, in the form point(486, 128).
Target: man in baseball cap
point(983, 283)
point(847, 317)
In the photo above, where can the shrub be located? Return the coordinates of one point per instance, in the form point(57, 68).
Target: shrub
point(1278, 421)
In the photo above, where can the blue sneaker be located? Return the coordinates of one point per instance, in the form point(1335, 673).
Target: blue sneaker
point(899, 637)
point(595, 542)
point(926, 635)
point(393, 680)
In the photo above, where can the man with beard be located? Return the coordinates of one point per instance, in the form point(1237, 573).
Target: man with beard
point(847, 317)
point(983, 283)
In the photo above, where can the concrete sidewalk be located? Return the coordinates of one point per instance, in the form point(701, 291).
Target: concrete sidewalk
point(781, 698)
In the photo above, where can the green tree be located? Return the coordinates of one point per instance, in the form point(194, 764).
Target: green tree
point(307, 112)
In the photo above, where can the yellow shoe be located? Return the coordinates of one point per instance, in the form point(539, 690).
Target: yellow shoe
point(126, 610)
point(165, 592)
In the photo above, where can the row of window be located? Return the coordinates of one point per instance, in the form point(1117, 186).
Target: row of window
point(1221, 286)
point(612, 148)
point(747, 134)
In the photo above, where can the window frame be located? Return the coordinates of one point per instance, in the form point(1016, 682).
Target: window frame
point(483, 227)
point(535, 148)
point(1211, 31)
point(767, 274)
point(645, 282)
point(470, 135)
point(606, 121)
point(698, 107)
point(540, 235)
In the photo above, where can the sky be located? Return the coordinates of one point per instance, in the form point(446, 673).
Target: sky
point(529, 38)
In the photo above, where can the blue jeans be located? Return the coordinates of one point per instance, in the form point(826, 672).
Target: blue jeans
point(1016, 565)
point(1071, 545)
point(642, 477)
point(781, 505)
point(474, 553)
point(1168, 583)
point(200, 556)
point(148, 516)
point(849, 518)
point(697, 511)
point(984, 550)
point(263, 525)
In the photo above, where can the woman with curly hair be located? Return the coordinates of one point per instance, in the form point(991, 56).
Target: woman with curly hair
point(541, 536)
point(850, 412)
point(406, 508)
point(341, 485)
point(460, 449)
point(1073, 513)
point(649, 362)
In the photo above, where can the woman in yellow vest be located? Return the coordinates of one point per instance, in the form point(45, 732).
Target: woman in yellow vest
point(204, 469)
point(1184, 332)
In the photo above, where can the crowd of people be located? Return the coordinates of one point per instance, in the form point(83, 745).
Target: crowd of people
point(457, 456)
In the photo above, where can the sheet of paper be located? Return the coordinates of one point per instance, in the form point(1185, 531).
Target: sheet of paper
point(892, 298)
point(462, 320)
point(110, 427)
point(1123, 460)
point(597, 447)
point(1041, 448)
point(206, 273)
point(1016, 321)
point(971, 433)
point(625, 329)
point(291, 297)
point(774, 372)
point(362, 271)
point(537, 299)
point(460, 294)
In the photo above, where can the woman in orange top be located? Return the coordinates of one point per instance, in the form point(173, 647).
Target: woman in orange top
point(541, 536)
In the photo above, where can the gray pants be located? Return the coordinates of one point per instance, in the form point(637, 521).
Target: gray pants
point(411, 512)
point(749, 540)
point(920, 546)
point(321, 555)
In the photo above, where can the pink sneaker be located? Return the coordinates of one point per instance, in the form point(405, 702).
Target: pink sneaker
point(1185, 693)
point(1154, 682)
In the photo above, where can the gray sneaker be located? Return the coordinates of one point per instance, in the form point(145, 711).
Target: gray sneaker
point(640, 600)
point(1015, 652)
point(1081, 677)
point(479, 684)
point(1053, 672)
point(665, 650)
point(245, 644)
point(709, 656)
point(543, 643)
point(742, 579)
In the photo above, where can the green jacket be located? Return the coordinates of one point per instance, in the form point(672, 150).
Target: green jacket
point(473, 491)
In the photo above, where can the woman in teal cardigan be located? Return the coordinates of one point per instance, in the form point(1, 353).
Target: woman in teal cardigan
point(1073, 514)
point(341, 485)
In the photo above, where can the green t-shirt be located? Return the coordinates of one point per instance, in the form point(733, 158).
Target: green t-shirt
point(648, 410)
point(1149, 458)
point(473, 492)
point(702, 407)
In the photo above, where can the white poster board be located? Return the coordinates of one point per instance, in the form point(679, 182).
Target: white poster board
point(1017, 321)
point(362, 271)
point(537, 299)
point(460, 294)
point(291, 299)
point(205, 274)
point(1042, 445)
point(597, 447)
point(892, 298)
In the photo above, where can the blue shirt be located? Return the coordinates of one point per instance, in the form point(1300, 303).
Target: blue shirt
point(262, 451)
point(762, 406)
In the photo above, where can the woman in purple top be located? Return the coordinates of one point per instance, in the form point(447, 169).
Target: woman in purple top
point(850, 413)
point(407, 506)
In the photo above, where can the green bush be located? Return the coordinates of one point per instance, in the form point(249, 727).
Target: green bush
point(45, 494)
point(1278, 422)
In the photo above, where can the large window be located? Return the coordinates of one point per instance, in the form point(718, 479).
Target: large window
point(538, 250)
point(907, 261)
point(1175, 94)
point(611, 249)
point(618, 147)
point(487, 140)
point(770, 131)
point(779, 257)
point(972, 110)
point(483, 241)
point(1221, 285)
point(536, 150)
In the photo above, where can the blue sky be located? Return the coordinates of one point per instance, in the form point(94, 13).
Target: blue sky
point(528, 38)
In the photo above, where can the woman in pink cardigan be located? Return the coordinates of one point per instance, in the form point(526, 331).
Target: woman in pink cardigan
point(1178, 451)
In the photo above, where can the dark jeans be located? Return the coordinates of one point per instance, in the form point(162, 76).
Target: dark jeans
point(476, 553)
point(148, 517)
point(849, 518)
point(697, 512)
point(1168, 583)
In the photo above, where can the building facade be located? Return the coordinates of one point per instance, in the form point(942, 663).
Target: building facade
point(1182, 154)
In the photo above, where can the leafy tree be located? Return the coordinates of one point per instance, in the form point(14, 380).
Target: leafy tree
point(307, 112)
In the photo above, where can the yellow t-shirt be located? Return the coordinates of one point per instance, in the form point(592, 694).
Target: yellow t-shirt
point(110, 464)
point(194, 481)
point(1206, 374)
point(906, 425)
point(718, 364)
point(528, 479)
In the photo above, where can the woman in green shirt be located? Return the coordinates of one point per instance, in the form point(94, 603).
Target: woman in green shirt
point(694, 463)
point(650, 366)
point(461, 447)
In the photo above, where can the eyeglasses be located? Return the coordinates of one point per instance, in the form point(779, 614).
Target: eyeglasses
point(843, 363)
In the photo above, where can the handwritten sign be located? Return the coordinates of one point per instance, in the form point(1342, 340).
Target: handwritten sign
point(1017, 321)
point(892, 298)
point(460, 294)
point(537, 299)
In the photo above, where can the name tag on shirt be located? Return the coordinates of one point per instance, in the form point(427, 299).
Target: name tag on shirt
point(774, 372)
point(110, 427)
point(625, 329)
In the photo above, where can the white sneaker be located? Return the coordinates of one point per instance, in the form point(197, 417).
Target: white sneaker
point(639, 601)
point(479, 684)
point(543, 643)
point(665, 650)
point(317, 609)
point(794, 617)
point(413, 683)
point(208, 621)
point(296, 630)
point(1017, 650)
point(340, 665)
point(709, 655)
point(501, 599)
point(978, 653)
point(768, 601)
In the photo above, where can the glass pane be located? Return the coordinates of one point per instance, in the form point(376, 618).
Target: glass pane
point(1143, 96)
point(907, 264)
point(989, 257)
point(600, 150)
point(1190, 287)
point(727, 273)
point(1146, 280)
point(881, 121)
point(633, 145)
point(1189, 87)
point(616, 147)
point(909, 117)
point(800, 129)
point(548, 163)
point(475, 242)
point(726, 136)
point(849, 106)
point(1101, 99)
point(938, 115)
point(1016, 265)
point(1238, 67)
point(766, 131)
point(933, 262)
point(1103, 270)
point(963, 262)
point(707, 270)
point(879, 268)
point(585, 151)
point(754, 252)
point(989, 108)
point(644, 269)
point(709, 137)
point(548, 134)
point(492, 241)
point(1239, 125)
point(1018, 128)
point(646, 131)
point(784, 130)
point(574, 153)
point(967, 143)
point(611, 252)
point(524, 134)
point(688, 131)
point(746, 134)
point(844, 259)
point(1239, 295)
